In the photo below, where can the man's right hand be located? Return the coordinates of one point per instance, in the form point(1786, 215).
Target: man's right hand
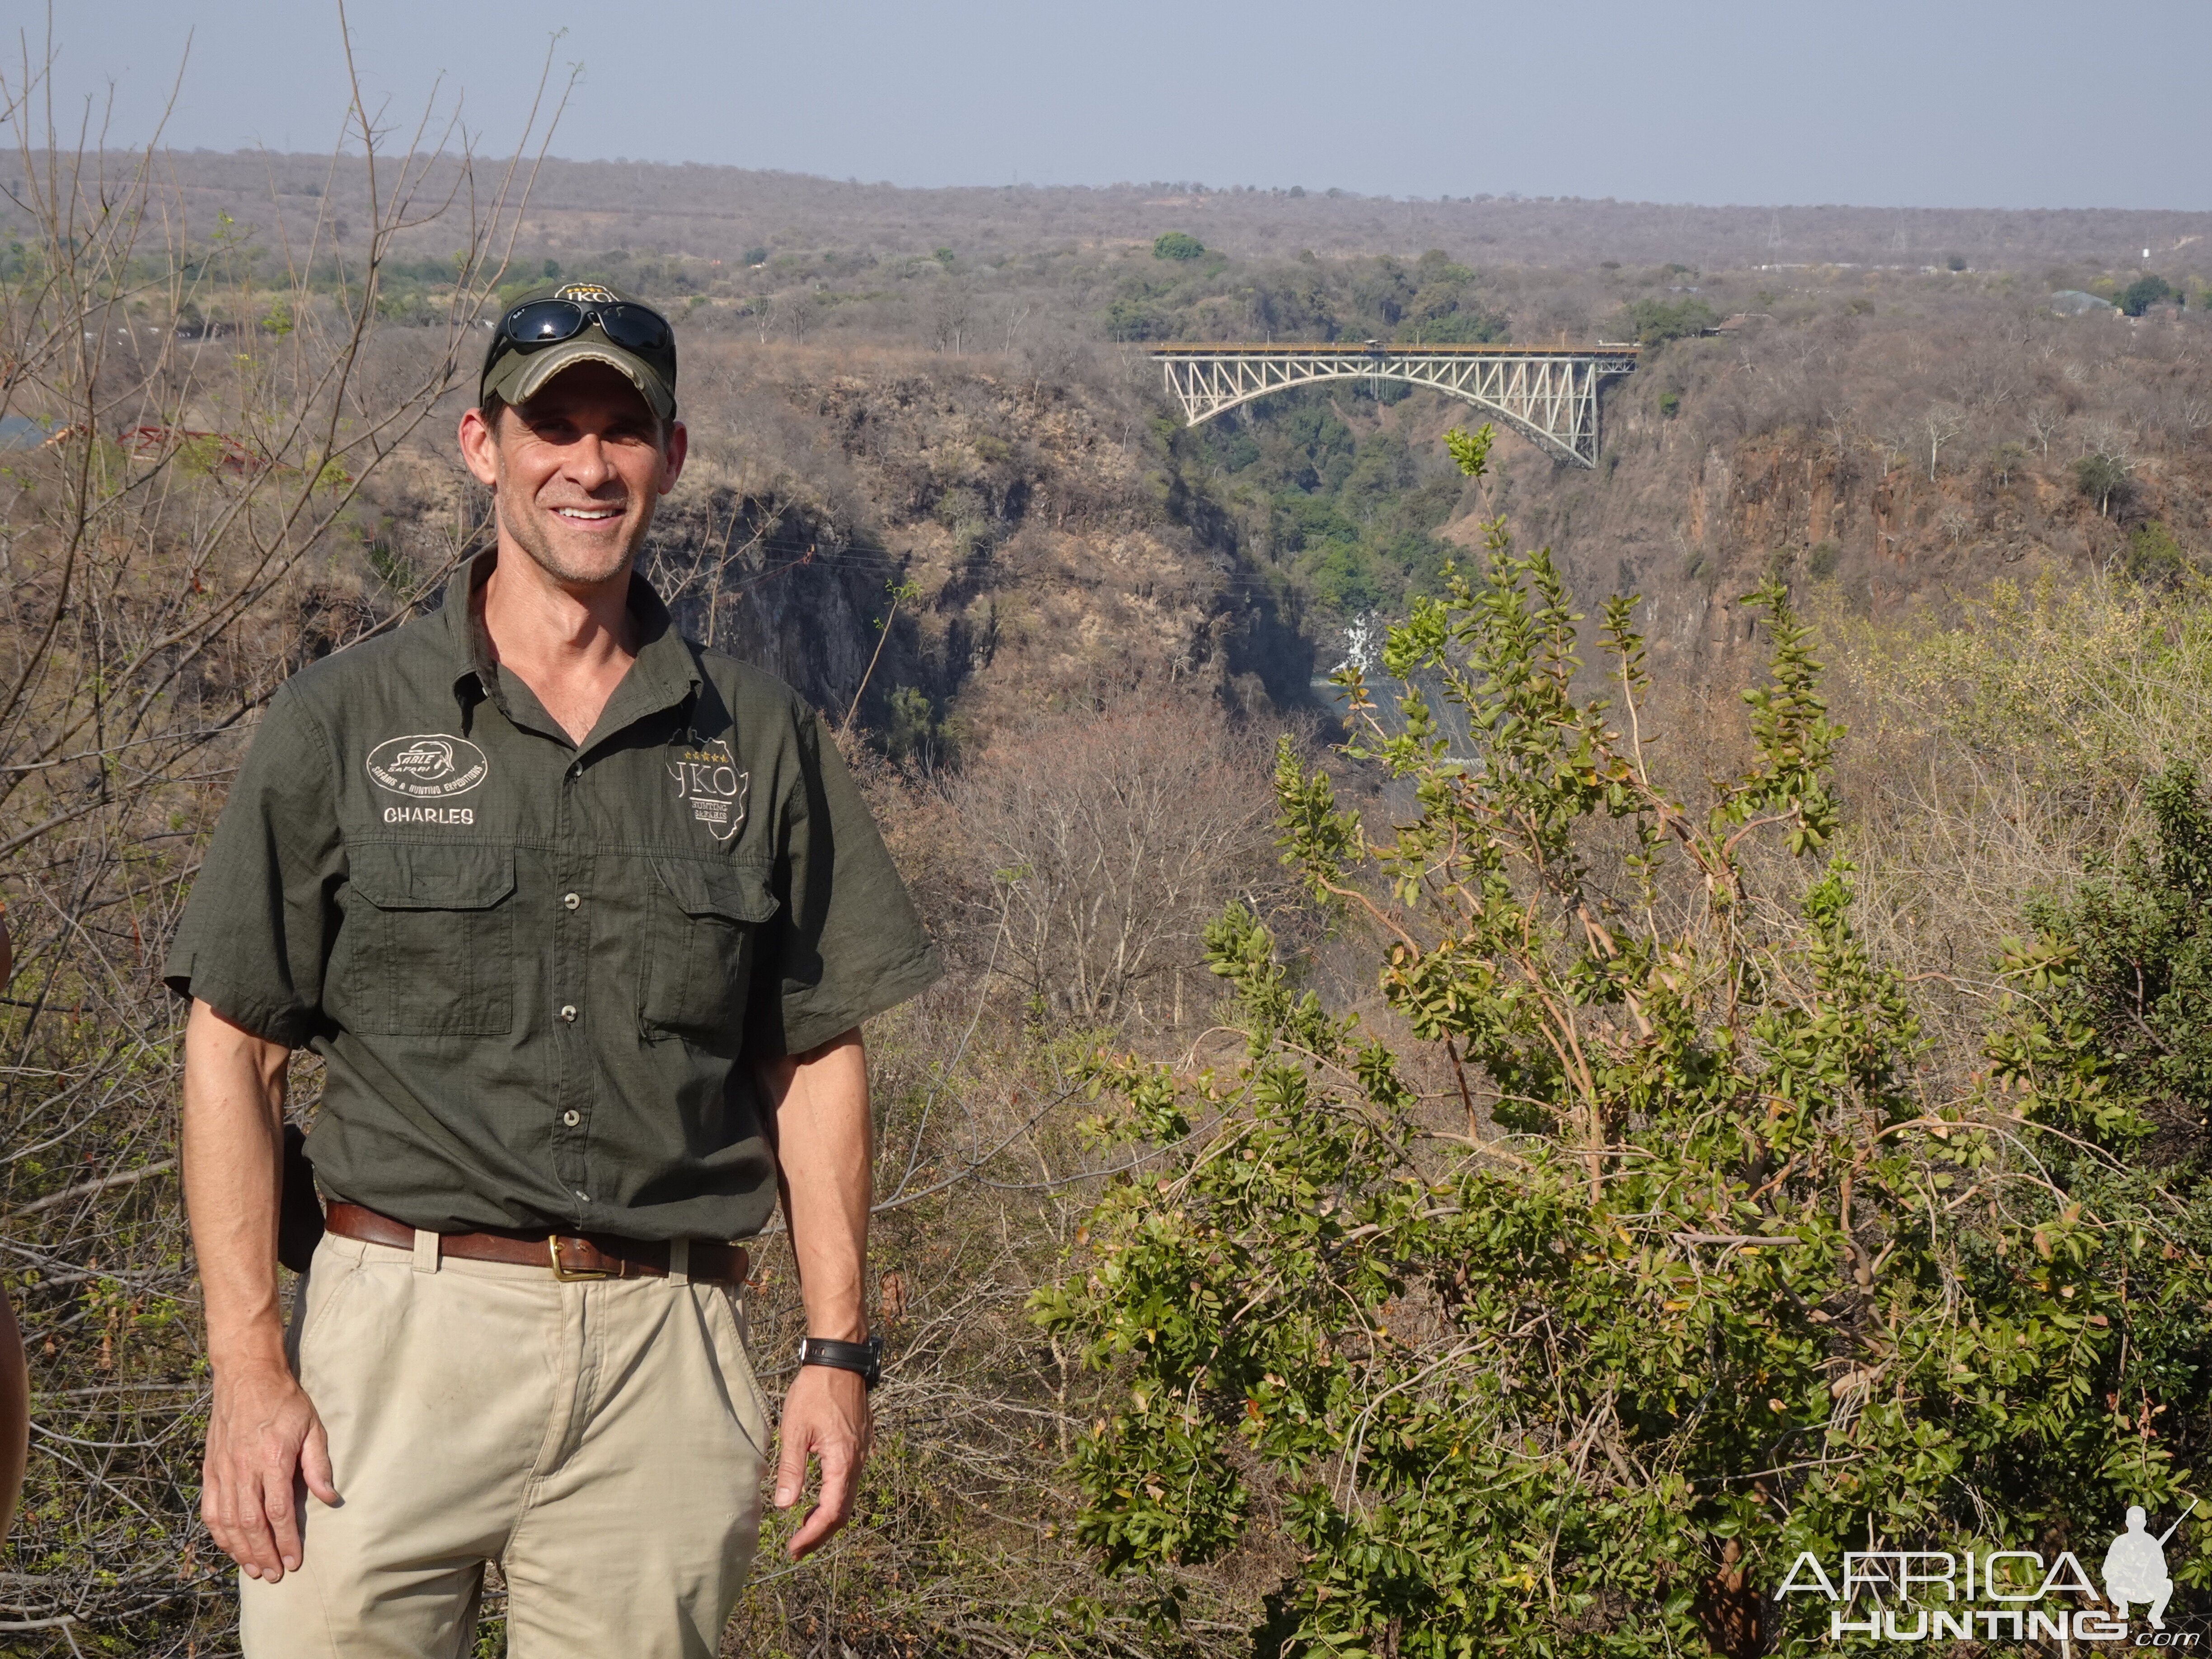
point(263, 1435)
point(263, 1438)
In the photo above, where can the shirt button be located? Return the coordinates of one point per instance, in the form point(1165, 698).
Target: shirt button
point(568, 1011)
point(570, 900)
point(572, 1119)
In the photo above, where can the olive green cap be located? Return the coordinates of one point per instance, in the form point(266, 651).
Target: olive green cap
point(516, 374)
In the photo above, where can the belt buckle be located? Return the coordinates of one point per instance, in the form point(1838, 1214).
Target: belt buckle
point(565, 1274)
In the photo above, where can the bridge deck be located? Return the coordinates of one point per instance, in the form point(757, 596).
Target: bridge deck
point(1336, 348)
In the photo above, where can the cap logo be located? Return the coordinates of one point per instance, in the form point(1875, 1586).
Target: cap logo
point(591, 292)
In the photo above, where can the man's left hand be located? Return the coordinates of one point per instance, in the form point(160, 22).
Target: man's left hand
point(826, 1418)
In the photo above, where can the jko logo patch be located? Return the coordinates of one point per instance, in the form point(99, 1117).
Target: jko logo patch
point(589, 293)
point(427, 766)
point(706, 775)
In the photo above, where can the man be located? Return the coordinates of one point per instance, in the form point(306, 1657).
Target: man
point(583, 921)
point(2135, 1570)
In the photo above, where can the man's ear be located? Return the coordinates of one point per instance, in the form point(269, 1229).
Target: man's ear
point(479, 448)
point(672, 457)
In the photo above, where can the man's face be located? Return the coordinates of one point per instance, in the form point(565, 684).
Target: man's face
point(576, 472)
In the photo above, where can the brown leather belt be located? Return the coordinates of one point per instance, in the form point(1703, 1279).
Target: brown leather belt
point(569, 1255)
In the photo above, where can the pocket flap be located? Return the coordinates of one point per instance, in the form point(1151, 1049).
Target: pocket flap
point(736, 891)
point(395, 876)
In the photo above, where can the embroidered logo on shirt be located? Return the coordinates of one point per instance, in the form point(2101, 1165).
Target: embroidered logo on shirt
point(706, 775)
point(428, 766)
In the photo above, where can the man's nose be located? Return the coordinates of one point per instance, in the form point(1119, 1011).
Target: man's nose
point(588, 462)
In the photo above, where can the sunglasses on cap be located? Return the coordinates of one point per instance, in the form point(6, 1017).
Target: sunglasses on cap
point(632, 327)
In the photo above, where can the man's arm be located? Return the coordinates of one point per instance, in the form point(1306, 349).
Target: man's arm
point(263, 1432)
point(826, 1165)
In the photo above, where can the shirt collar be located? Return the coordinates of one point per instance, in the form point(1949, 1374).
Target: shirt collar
point(665, 671)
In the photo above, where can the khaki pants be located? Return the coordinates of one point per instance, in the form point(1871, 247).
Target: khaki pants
point(604, 1442)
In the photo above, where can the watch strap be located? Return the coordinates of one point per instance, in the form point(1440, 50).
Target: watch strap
point(864, 1357)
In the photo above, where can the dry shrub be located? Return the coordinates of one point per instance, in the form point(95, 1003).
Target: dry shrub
point(1068, 872)
point(193, 528)
point(1996, 745)
point(1111, 839)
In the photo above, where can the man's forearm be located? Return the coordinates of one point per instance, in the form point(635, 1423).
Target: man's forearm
point(263, 1432)
point(234, 1171)
point(825, 1156)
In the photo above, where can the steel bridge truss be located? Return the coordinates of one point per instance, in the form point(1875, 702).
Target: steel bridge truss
point(1549, 394)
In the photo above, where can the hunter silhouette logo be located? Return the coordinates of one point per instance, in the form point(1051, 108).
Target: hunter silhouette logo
point(2135, 1568)
point(427, 766)
point(1917, 1595)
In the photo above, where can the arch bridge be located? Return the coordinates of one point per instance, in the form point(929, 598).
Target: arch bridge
point(1549, 394)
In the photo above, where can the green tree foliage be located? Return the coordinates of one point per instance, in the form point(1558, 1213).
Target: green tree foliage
point(1655, 322)
point(1473, 328)
point(2102, 478)
point(2146, 291)
point(1349, 516)
point(1696, 1268)
point(1432, 299)
point(2154, 557)
point(2122, 974)
point(1176, 245)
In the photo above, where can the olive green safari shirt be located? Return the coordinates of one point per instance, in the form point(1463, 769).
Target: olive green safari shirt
point(539, 971)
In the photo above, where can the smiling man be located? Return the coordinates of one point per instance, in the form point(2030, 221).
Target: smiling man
point(583, 920)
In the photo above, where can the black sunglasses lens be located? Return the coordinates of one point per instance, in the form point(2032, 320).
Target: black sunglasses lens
point(635, 328)
point(545, 321)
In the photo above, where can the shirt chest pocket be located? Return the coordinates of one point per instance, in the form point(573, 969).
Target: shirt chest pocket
point(432, 953)
point(698, 961)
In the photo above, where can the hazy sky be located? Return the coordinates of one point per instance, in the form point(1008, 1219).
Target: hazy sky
point(2028, 103)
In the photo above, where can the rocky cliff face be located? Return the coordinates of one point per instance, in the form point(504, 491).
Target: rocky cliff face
point(1692, 510)
point(1032, 534)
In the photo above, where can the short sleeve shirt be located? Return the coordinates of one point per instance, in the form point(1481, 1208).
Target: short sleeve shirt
point(540, 972)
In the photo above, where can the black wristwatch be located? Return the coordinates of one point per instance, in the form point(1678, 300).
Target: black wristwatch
point(865, 1357)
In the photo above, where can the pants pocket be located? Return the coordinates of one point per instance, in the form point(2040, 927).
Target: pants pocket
point(329, 1276)
point(733, 1347)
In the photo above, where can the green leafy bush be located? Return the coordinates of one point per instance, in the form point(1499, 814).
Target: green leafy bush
point(2146, 291)
point(2123, 967)
point(2154, 557)
point(1462, 327)
point(1655, 322)
point(1176, 245)
point(1649, 1257)
point(2102, 478)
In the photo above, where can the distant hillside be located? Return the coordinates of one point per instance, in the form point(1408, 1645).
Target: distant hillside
point(719, 213)
point(950, 389)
